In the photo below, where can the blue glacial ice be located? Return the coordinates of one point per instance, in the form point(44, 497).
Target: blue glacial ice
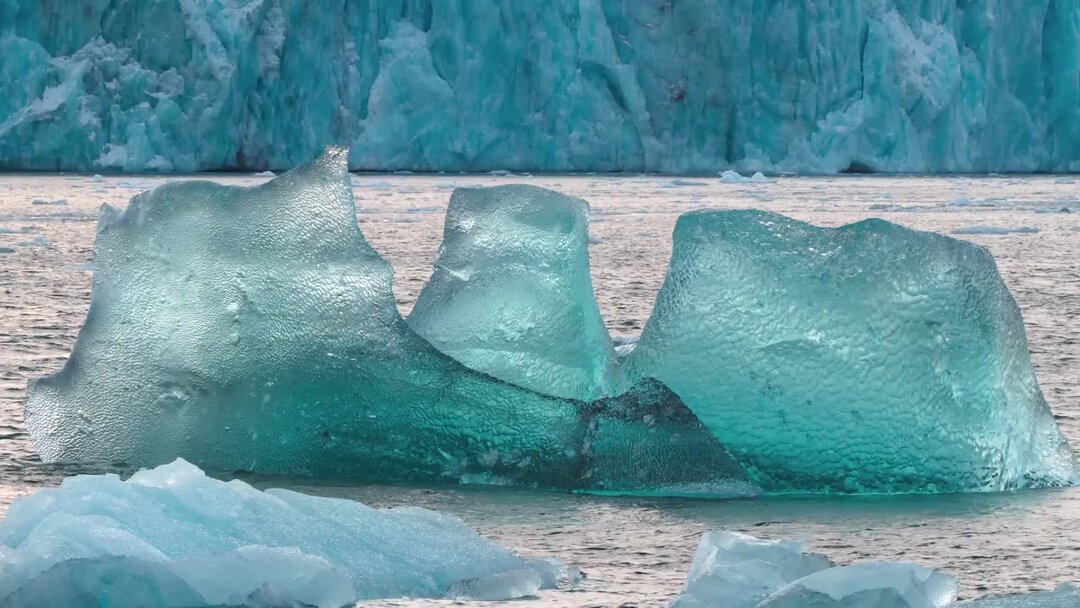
point(865, 358)
point(733, 570)
point(173, 537)
point(511, 294)
point(585, 85)
point(255, 329)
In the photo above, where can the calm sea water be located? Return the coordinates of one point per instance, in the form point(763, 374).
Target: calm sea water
point(634, 551)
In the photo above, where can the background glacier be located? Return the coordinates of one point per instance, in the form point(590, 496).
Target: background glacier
point(560, 85)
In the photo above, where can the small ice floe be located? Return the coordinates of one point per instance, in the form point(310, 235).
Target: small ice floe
point(97, 178)
point(59, 202)
point(995, 230)
point(1054, 209)
point(6, 250)
point(37, 241)
point(265, 174)
point(595, 240)
point(734, 177)
point(500, 173)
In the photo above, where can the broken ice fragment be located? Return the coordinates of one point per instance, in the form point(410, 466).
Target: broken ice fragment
point(511, 294)
point(173, 537)
point(868, 357)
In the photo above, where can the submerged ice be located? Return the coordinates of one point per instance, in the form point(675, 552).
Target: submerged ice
point(172, 537)
point(584, 85)
point(255, 329)
point(865, 358)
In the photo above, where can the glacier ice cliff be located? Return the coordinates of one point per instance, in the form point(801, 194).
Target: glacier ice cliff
point(511, 294)
point(567, 85)
point(864, 358)
point(255, 329)
point(732, 570)
point(173, 537)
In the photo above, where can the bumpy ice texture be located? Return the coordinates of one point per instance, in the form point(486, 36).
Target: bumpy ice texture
point(868, 357)
point(173, 537)
point(255, 329)
point(511, 294)
point(695, 85)
point(738, 571)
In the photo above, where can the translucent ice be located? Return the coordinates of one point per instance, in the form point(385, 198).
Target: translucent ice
point(868, 585)
point(734, 570)
point(995, 230)
point(868, 357)
point(255, 329)
point(511, 295)
point(585, 85)
point(173, 537)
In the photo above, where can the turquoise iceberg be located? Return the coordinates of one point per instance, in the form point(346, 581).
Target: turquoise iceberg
point(172, 537)
point(865, 358)
point(511, 294)
point(255, 329)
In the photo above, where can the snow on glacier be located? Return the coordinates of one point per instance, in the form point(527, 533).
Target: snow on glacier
point(173, 537)
point(584, 85)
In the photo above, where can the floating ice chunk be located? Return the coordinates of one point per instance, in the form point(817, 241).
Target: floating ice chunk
point(735, 570)
point(868, 585)
point(294, 359)
point(899, 351)
point(502, 586)
point(97, 178)
point(734, 177)
point(60, 202)
point(1067, 595)
point(995, 230)
point(37, 241)
point(511, 294)
point(172, 536)
point(265, 174)
point(6, 250)
point(500, 173)
point(624, 345)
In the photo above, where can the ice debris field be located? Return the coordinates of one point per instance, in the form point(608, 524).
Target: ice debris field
point(255, 329)
point(171, 537)
point(695, 86)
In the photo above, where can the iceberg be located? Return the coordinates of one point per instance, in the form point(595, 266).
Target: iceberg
point(864, 358)
point(255, 329)
point(733, 570)
point(173, 537)
point(569, 85)
point(511, 294)
point(995, 230)
point(736, 570)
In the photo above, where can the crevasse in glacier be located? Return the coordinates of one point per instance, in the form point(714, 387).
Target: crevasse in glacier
point(255, 329)
point(689, 86)
point(173, 537)
point(511, 294)
point(865, 358)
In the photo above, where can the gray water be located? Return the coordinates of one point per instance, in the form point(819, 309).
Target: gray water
point(634, 551)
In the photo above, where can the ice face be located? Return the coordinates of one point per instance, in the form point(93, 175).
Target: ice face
point(173, 537)
point(511, 294)
point(738, 571)
point(868, 357)
point(255, 329)
point(696, 86)
point(868, 585)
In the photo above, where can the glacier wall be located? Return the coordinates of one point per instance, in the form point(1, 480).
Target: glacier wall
point(560, 85)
